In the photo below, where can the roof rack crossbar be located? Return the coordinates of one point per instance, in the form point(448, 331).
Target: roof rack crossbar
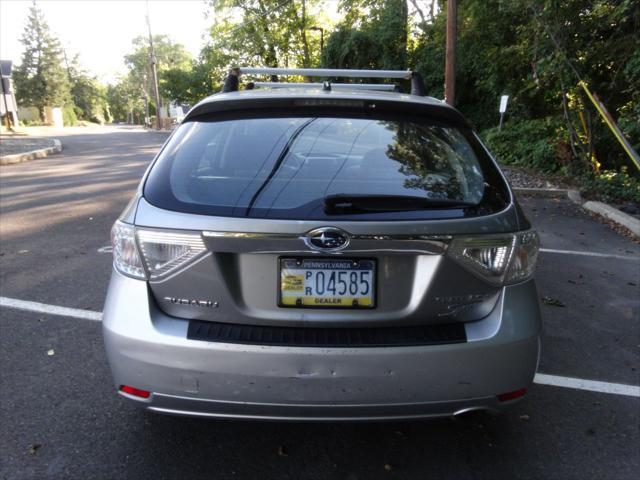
point(325, 72)
point(232, 81)
point(387, 87)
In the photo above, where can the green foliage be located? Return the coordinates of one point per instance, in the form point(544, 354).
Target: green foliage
point(40, 79)
point(629, 119)
point(125, 100)
point(170, 57)
point(372, 35)
point(613, 186)
point(69, 117)
point(537, 144)
point(266, 32)
point(32, 123)
point(350, 48)
point(89, 96)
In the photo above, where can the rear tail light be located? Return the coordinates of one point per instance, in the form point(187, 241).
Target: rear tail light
point(525, 257)
point(165, 252)
point(126, 258)
point(152, 254)
point(499, 259)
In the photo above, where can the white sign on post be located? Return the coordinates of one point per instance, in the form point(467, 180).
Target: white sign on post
point(503, 103)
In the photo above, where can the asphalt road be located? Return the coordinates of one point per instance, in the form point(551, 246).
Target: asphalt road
point(61, 418)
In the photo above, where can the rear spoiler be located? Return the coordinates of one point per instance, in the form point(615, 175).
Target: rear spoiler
point(232, 82)
point(341, 102)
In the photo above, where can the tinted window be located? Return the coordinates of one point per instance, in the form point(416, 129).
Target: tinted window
point(285, 167)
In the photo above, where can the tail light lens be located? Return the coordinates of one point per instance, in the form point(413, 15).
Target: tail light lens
point(165, 252)
point(524, 258)
point(152, 254)
point(499, 259)
point(126, 258)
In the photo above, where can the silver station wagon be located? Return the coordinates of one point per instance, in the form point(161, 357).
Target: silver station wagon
point(323, 251)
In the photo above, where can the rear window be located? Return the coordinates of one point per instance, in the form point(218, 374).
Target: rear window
point(285, 167)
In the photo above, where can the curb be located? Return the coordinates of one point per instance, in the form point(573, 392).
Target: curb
point(607, 211)
point(610, 213)
point(23, 157)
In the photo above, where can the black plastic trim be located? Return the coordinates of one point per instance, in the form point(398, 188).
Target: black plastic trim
point(404, 336)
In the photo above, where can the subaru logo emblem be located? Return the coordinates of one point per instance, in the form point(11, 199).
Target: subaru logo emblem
point(327, 239)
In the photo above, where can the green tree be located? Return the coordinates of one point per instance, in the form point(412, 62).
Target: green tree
point(171, 57)
point(125, 101)
point(373, 34)
point(41, 80)
point(201, 80)
point(272, 33)
point(89, 96)
point(536, 52)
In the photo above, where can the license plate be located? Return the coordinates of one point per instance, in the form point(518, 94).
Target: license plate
point(327, 283)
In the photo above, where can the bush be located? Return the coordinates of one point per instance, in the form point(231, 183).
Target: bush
point(613, 186)
point(538, 144)
point(69, 117)
point(31, 123)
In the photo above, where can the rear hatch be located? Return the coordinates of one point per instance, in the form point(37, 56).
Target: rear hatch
point(312, 217)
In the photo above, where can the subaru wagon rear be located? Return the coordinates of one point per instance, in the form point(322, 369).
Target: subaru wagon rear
point(322, 253)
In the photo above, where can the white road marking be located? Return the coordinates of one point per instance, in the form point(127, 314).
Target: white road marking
point(540, 378)
point(591, 254)
point(589, 385)
point(50, 309)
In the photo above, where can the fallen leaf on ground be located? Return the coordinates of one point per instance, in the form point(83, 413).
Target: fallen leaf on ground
point(388, 467)
point(525, 417)
point(554, 302)
point(33, 448)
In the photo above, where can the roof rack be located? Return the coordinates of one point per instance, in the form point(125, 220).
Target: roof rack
point(232, 81)
point(386, 87)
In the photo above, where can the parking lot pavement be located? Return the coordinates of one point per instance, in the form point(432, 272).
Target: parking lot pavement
point(58, 211)
point(596, 333)
point(60, 416)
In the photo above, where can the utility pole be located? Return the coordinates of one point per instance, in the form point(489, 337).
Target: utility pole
point(450, 60)
point(154, 73)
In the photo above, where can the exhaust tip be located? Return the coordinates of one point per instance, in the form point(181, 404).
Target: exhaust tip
point(464, 411)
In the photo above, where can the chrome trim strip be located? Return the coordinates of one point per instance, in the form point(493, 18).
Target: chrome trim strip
point(251, 242)
point(272, 236)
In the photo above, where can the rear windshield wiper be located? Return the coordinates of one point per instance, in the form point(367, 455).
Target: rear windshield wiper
point(355, 203)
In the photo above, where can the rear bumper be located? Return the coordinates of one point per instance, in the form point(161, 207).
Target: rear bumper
point(149, 350)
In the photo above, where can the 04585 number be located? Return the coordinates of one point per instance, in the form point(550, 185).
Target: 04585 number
point(338, 282)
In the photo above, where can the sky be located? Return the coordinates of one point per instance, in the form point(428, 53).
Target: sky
point(101, 31)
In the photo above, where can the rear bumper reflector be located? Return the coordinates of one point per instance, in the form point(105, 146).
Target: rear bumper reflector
point(506, 397)
point(325, 336)
point(136, 392)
